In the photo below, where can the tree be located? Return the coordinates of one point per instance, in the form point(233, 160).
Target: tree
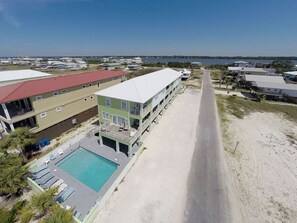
point(283, 65)
point(59, 214)
point(12, 175)
point(38, 206)
point(19, 139)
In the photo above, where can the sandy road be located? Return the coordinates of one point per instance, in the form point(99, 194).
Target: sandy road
point(155, 189)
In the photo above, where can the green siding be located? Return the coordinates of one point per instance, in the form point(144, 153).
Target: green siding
point(115, 109)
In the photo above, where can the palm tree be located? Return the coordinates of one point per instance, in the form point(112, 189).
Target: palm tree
point(38, 206)
point(12, 175)
point(19, 139)
point(59, 214)
point(41, 202)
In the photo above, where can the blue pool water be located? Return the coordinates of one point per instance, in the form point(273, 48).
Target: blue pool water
point(89, 168)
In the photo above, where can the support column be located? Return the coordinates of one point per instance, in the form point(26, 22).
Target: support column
point(3, 126)
point(6, 111)
point(117, 146)
point(100, 140)
point(130, 152)
point(11, 127)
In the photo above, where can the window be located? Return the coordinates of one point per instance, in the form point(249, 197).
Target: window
point(64, 91)
point(118, 120)
point(85, 99)
point(90, 85)
point(98, 84)
point(38, 98)
point(42, 115)
point(105, 115)
point(58, 109)
point(107, 102)
point(55, 93)
point(124, 105)
point(84, 86)
point(91, 97)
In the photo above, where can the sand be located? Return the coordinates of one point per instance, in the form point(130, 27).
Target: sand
point(264, 166)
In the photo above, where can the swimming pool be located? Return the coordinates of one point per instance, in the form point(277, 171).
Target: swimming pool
point(89, 168)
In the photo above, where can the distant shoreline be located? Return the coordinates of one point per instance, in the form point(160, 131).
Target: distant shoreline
point(178, 57)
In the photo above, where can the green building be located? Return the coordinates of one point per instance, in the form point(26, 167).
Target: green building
point(127, 110)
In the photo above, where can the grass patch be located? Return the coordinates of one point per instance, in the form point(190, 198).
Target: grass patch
point(215, 74)
point(144, 71)
point(240, 107)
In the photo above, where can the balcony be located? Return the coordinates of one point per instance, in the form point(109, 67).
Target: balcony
point(118, 132)
point(135, 111)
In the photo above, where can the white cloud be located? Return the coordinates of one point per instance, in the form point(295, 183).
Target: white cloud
point(4, 12)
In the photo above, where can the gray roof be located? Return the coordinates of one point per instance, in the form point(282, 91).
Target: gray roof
point(263, 78)
point(291, 73)
point(13, 75)
point(260, 84)
point(247, 69)
point(141, 89)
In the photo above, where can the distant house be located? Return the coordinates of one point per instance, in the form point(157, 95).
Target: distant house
point(111, 66)
point(240, 64)
point(134, 67)
point(276, 89)
point(51, 106)
point(15, 76)
point(292, 75)
point(250, 80)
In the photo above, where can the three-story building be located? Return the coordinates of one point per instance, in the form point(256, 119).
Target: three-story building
point(50, 106)
point(127, 110)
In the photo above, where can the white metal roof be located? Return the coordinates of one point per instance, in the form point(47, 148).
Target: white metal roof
point(13, 75)
point(263, 78)
point(247, 69)
point(141, 89)
point(276, 85)
point(291, 73)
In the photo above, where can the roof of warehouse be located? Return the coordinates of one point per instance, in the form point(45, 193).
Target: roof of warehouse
point(11, 75)
point(141, 89)
point(36, 87)
point(263, 78)
point(276, 85)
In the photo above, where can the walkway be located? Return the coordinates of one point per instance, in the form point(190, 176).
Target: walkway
point(155, 190)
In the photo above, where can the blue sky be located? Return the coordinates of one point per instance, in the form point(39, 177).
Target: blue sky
point(148, 27)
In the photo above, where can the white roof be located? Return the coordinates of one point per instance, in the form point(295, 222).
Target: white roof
point(247, 69)
point(141, 89)
point(263, 78)
point(291, 72)
point(276, 85)
point(13, 75)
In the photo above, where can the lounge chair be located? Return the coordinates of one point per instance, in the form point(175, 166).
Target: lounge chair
point(60, 152)
point(47, 160)
point(50, 182)
point(52, 156)
point(61, 188)
point(76, 214)
point(65, 195)
point(40, 174)
point(44, 179)
point(38, 169)
point(58, 183)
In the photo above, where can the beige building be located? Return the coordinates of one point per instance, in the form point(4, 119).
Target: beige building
point(50, 106)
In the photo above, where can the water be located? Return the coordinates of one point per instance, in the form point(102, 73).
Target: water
point(89, 168)
point(207, 61)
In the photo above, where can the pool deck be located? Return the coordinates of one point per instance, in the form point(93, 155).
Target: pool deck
point(84, 198)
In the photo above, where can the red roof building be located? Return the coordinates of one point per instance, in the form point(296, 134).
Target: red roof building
point(36, 87)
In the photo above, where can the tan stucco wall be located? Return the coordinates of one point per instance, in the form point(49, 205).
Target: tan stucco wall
point(72, 103)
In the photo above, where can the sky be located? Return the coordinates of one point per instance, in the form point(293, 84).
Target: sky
point(148, 27)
